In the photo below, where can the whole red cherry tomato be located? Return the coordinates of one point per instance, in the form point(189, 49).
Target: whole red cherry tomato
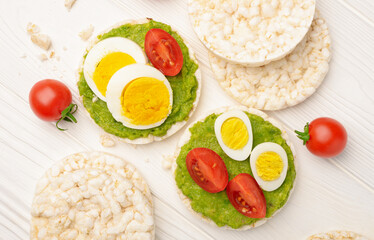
point(207, 169)
point(324, 137)
point(246, 196)
point(51, 100)
point(163, 51)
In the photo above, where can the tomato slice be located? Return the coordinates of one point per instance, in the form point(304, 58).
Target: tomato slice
point(246, 196)
point(163, 51)
point(207, 169)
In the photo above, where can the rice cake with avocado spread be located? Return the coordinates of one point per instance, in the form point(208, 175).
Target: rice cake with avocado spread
point(218, 207)
point(116, 56)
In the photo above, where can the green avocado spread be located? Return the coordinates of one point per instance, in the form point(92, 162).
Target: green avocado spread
point(184, 86)
point(217, 206)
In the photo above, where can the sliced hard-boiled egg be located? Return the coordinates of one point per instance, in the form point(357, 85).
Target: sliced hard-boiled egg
point(139, 96)
point(234, 134)
point(106, 58)
point(269, 164)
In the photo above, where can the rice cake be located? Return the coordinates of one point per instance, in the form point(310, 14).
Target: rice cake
point(176, 126)
point(185, 138)
point(282, 83)
point(92, 195)
point(337, 235)
point(251, 32)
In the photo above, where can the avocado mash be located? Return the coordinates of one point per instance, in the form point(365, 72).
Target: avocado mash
point(184, 86)
point(217, 206)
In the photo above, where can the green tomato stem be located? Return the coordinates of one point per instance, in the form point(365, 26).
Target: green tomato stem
point(67, 115)
point(304, 135)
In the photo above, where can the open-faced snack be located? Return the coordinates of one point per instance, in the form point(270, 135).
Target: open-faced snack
point(282, 83)
point(252, 33)
point(92, 195)
point(137, 99)
point(337, 235)
point(244, 203)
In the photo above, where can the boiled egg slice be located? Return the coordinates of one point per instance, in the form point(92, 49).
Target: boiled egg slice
point(269, 164)
point(139, 96)
point(106, 58)
point(234, 134)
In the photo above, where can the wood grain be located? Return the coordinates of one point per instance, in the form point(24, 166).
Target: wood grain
point(330, 194)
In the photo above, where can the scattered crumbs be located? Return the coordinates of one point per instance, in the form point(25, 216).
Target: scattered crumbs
point(52, 54)
point(58, 58)
point(147, 160)
point(86, 33)
point(23, 55)
point(106, 140)
point(43, 57)
point(32, 28)
point(69, 4)
point(54, 68)
point(41, 40)
point(64, 48)
point(134, 146)
point(167, 161)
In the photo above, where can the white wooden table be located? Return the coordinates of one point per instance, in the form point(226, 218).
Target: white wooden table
point(330, 193)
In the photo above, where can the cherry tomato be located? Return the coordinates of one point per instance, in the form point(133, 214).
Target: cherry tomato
point(246, 196)
point(163, 51)
point(207, 169)
point(50, 100)
point(324, 137)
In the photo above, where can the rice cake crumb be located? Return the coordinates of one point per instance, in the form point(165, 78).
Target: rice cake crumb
point(252, 32)
point(167, 162)
point(69, 4)
point(32, 28)
point(107, 141)
point(86, 33)
point(41, 40)
point(43, 57)
point(282, 83)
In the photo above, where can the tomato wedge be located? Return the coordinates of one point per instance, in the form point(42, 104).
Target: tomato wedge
point(207, 169)
point(163, 51)
point(246, 196)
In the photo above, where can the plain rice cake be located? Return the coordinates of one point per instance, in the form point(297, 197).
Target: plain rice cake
point(282, 83)
point(251, 32)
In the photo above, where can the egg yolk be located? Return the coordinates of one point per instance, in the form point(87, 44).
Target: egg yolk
point(269, 166)
point(110, 64)
point(234, 133)
point(145, 101)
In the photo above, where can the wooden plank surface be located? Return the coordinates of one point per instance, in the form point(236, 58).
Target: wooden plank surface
point(330, 193)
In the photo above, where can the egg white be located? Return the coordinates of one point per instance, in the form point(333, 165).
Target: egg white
point(239, 154)
point(269, 147)
point(120, 80)
point(103, 48)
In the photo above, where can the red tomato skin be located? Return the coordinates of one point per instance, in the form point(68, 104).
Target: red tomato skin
point(215, 178)
point(246, 187)
point(48, 98)
point(154, 40)
point(328, 137)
